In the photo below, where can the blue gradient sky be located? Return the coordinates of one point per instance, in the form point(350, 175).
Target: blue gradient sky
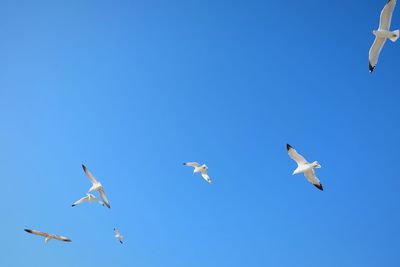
point(134, 88)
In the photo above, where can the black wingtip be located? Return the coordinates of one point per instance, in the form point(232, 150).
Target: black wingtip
point(73, 205)
point(288, 147)
point(84, 167)
point(184, 163)
point(67, 240)
point(28, 230)
point(319, 186)
point(121, 242)
point(371, 68)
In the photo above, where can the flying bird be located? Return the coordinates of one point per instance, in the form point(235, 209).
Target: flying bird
point(199, 168)
point(47, 236)
point(89, 198)
point(382, 34)
point(96, 186)
point(304, 167)
point(118, 235)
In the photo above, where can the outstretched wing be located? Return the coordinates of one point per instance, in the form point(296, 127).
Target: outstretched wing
point(91, 177)
point(192, 164)
point(80, 201)
point(37, 232)
point(206, 177)
point(295, 156)
point(62, 238)
point(386, 15)
point(104, 198)
point(374, 52)
point(312, 178)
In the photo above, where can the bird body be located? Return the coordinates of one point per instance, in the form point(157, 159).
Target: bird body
point(392, 35)
point(382, 34)
point(199, 168)
point(95, 187)
point(118, 235)
point(306, 167)
point(47, 236)
point(303, 166)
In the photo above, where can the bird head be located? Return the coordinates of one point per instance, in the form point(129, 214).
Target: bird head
point(316, 164)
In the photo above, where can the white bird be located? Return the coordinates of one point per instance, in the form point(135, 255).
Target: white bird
point(96, 186)
point(89, 198)
point(199, 168)
point(47, 236)
point(118, 235)
point(382, 34)
point(304, 167)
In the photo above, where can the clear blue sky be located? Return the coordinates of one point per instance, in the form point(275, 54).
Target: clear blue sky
point(133, 89)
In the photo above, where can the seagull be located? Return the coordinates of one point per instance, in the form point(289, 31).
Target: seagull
point(382, 34)
point(96, 186)
point(47, 236)
point(118, 235)
point(305, 167)
point(199, 168)
point(88, 198)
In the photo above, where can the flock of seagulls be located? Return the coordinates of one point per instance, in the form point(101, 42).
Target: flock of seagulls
point(96, 186)
point(382, 34)
point(303, 166)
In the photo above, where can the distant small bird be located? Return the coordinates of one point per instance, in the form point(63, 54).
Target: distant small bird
point(304, 167)
point(47, 236)
point(118, 235)
point(382, 34)
point(89, 198)
point(199, 168)
point(96, 186)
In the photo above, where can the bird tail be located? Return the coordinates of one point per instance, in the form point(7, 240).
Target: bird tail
point(395, 36)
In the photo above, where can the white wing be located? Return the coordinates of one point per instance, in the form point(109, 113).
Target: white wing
point(386, 15)
point(205, 176)
point(80, 201)
point(104, 198)
point(48, 236)
point(374, 52)
point(62, 238)
point(312, 178)
point(37, 232)
point(91, 177)
point(192, 164)
point(295, 156)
